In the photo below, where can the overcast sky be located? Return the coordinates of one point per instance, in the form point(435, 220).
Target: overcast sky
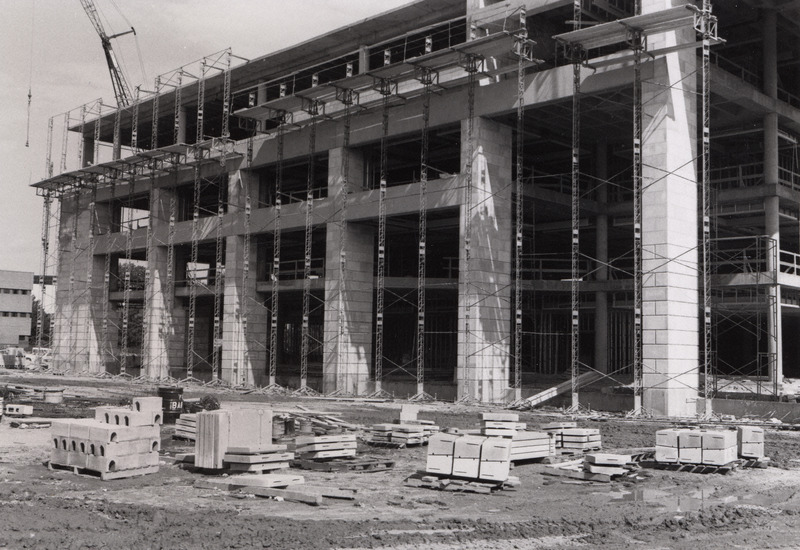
point(51, 46)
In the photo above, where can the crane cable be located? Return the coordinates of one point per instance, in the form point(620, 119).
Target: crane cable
point(30, 77)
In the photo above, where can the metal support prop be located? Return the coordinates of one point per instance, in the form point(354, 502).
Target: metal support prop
point(126, 300)
point(381, 270)
point(276, 261)
point(45, 239)
point(305, 344)
point(575, 202)
point(637, 44)
point(471, 65)
point(706, 205)
point(522, 37)
point(198, 157)
point(426, 77)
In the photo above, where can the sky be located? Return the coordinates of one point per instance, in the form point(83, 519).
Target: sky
point(51, 48)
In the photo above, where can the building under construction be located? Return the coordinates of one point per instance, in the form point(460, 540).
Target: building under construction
point(467, 199)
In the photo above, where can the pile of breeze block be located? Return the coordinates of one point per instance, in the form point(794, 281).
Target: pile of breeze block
point(469, 456)
point(710, 447)
point(117, 443)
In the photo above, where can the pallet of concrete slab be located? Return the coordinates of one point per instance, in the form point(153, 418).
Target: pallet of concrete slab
point(351, 464)
point(401, 435)
point(325, 447)
point(501, 424)
point(456, 484)
point(262, 458)
point(532, 446)
point(186, 427)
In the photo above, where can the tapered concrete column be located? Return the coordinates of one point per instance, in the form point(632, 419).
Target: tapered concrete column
point(160, 321)
point(347, 351)
point(244, 323)
point(601, 267)
point(669, 227)
point(76, 345)
point(484, 286)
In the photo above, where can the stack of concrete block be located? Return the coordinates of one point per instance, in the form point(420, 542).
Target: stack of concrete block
point(605, 463)
point(260, 458)
point(580, 439)
point(557, 428)
point(719, 447)
point(691, 446)
point(408, 434)
point(145, 411)
point(501, 424)
point(469, 456)
point(218, 430)
point(325, 446)
point(667, 449)
point(19, 410)
point(125, 446)
point(529, 445)
point(441, 448)
point(750, 440)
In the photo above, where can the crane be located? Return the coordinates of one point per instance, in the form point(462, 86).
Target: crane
point(121, 90)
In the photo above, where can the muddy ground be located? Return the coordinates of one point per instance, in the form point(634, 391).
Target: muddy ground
point(40, 508)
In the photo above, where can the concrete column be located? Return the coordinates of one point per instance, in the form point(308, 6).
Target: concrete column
point(87, 145)
point(601, 269)
point(772, 204)
point(160, 321)
point(244, 322)
point(669, 227)
point(770, 52)
point(347, 352)
point(182, 119)
point(483, 355)
point(77, 321)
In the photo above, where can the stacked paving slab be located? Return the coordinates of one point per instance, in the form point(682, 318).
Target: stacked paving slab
point(117, 443)
point(709, 447)
point(408, 430)
point(572, 439)
point(469, 456)
point(316, 447)
point(525, 445)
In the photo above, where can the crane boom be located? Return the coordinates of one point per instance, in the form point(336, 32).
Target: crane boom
point(121, 89)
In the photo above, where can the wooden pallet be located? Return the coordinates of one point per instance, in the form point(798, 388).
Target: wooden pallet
point(387, 444)
point(461, 485)
point(105, 476)
point(693, 468)
point(760, 463)
point(344, 465)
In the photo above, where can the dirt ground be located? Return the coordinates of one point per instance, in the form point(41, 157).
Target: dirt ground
point(40, 508)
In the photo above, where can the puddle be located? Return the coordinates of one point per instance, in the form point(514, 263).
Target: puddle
point(690, 502)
